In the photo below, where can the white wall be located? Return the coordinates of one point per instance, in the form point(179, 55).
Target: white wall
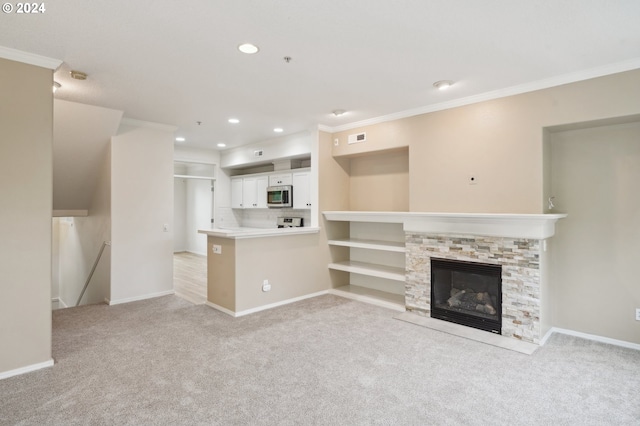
point(141, 205)
point(297, 145)
point(199, 210)
point(193, 199)
point(179, 215)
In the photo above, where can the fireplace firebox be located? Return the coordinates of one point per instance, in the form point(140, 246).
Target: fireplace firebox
point(467, 293)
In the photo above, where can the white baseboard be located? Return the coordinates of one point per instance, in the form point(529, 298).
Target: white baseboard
point(138, 298)
point(265, 307)
point(587, 336)
point(220, 308)
point(27, 369)
point(60, 302)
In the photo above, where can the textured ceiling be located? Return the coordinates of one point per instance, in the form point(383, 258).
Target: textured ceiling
point(177, 62)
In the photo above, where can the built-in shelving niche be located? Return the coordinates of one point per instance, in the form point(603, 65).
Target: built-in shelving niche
point(375, 266)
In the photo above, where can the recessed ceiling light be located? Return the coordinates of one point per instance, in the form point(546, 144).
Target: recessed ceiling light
point(222, 145)
point(338, 112)
point(56, 86)
point(443, 84)
point(248, 48)
point(180, 139)
point(234, 121)
point(278, 130)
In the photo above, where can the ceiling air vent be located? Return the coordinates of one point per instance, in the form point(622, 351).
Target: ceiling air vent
point(257, 153)
point(357, 138)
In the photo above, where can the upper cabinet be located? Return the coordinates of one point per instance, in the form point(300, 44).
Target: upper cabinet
point(236, 193)
point(301, 190)
point(249, 192)
point(280, 179)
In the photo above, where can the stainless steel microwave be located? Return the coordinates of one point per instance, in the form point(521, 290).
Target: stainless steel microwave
point(280, 196)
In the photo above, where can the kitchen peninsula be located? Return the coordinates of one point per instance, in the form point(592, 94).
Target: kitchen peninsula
point(252, 269)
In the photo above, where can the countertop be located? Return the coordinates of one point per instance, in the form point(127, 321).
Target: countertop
point(243, 232)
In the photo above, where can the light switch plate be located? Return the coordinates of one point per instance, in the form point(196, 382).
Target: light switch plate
point(217, 249)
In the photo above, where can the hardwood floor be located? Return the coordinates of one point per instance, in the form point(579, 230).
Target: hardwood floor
point(190, 276)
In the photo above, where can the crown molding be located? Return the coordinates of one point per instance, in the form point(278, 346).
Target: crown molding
point(148, 124)
point(29, 58)
point(602, 71)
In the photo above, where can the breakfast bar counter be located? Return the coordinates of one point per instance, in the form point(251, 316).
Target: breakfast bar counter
point(252, 269)
point(245, 232)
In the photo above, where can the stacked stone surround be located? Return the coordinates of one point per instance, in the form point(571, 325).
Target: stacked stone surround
point(520, 261)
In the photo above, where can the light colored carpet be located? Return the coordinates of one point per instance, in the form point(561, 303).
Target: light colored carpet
point(326, 360)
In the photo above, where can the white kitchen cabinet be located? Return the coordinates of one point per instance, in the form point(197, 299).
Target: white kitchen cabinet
point(276, 179)
point(262, 182)
point(249, 193)
point(236, 193)
point(301, 190)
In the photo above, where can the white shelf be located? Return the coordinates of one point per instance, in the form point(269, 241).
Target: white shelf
point(370, 244)
point(370, 269)
point(194, 177)
point(373, 297)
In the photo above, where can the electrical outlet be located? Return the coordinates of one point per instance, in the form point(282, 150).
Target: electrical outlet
point(637, 314)
point(265, 285)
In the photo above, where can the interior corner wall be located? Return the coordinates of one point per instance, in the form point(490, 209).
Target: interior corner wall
point(594, 174)
point(26, 126)
point(380, 182)
point(141, 206)
point(333, 194)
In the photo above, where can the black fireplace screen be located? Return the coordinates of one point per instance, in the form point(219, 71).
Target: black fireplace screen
point(467, 293)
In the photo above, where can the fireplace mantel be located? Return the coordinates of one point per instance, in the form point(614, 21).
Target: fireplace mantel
point(530, 226)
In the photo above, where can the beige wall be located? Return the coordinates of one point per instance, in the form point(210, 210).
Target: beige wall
point(289, 262)
point(380, 182)
point(141, 204)
point(333, 194)
point(26, 122)
point(498, 141)
point(594, 177)
point(221, 273)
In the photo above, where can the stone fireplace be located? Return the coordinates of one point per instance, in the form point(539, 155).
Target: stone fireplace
point(515, 243)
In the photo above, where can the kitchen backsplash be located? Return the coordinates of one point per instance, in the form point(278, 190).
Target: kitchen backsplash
point(258, 218)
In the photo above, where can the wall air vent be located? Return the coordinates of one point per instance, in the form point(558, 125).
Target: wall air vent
point(257, 153)
point(357, 138)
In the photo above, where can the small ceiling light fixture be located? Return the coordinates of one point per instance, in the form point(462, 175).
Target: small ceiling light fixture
point(78, 75)
point(180, 139)
point(338, 112)
point(234, 121)
point(248, 48)
point(443, 84)
point(56, 86)
point(278, 130)
point(222, 145)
